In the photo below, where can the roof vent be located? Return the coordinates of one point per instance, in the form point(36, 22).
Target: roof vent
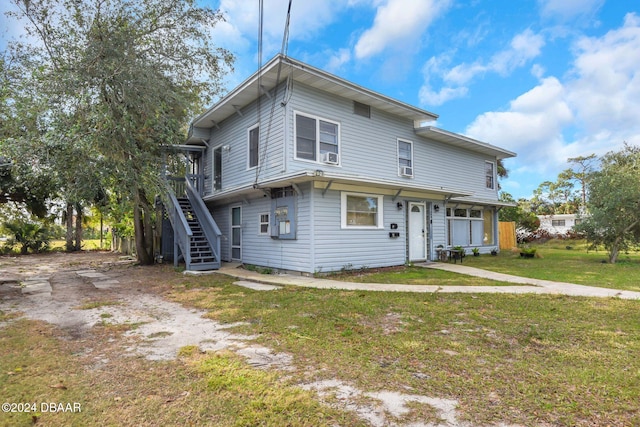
point(360, 109)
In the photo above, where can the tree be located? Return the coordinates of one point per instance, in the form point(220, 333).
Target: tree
point(524, 219)
point(580, 172)
point(120, 79)
point(613, 218)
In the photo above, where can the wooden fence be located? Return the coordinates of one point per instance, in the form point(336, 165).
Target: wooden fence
point(507, 235)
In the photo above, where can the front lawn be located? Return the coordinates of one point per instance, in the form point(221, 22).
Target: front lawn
point(514, 359)
point(412, 275)
point(554, 261)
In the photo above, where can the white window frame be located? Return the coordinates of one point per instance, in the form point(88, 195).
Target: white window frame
point(261, 223)
point(249, 130)
point(343, 211)
point(318, 153)
point(457, 215)
point(399, 140)
point(493, 177)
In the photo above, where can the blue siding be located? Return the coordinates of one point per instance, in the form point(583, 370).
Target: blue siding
point(233, 135)
point(368, 146)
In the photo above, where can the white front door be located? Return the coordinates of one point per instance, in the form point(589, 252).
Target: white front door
point(417, 232)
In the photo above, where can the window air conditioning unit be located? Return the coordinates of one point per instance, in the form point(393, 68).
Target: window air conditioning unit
point(406, 171)
point(331, 158)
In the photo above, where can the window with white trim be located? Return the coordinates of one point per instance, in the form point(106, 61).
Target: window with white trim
point(405, 158)
point(470, 227)
point(264, 224)
point(361, 210)
point(254, 146)
point(315, 137)
point(490, 175)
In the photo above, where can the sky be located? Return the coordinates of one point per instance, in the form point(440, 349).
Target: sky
point(547, 79)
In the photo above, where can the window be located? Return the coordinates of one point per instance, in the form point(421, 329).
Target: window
point(264, 224)
point(361, 210)
point(254, 143)
point(489, 175)
point(315, 137)
point(557, 223)
point(470, 227)
point(405, 157)
point(217, 168)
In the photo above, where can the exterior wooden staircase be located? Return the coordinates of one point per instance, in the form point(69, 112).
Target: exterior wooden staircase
point(202, 255)
point(196, 236)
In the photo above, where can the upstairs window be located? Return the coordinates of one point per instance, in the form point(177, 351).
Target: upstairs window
point(489, 172)
point(405, 158)
point(315, 137)
point(254, 144)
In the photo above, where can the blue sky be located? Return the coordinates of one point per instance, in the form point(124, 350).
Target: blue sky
point(548, 79)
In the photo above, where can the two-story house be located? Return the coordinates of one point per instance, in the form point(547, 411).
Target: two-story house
point(304, 171)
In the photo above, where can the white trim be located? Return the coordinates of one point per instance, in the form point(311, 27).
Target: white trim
point(318, 154)
point(231, 228)
point(493, 178)
point(343, 211)
point(261, 223)
point(423, 205)
point(249, 129)
point(406, 141)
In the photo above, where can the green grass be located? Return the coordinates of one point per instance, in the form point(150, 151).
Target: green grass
point(518, 359)
point(576, 265)
point(411, 275)
point(220, 389)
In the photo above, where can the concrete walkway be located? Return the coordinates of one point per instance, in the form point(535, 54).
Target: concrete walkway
point(524, 285)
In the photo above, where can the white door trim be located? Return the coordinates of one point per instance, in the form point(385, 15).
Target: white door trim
point(417, 231)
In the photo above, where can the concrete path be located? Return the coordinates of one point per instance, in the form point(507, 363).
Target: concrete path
point(524, 285)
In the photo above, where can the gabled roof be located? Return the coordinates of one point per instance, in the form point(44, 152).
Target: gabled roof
point(279, 68)
point(465, 142)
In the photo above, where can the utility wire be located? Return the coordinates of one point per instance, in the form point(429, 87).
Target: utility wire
point(283, 52)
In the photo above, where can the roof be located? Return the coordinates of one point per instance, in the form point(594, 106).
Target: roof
point(465, 142)
point(278, 69)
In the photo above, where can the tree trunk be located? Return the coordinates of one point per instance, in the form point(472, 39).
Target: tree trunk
point(78, 245)
point(69, 222)
point(143, 229)
point(613, 253)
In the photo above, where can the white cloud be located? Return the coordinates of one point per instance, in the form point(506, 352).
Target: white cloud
point(338, 59)
point(606, 88)
point(398, 22)
point(593, 111)
point(533, 122)
point(568, 9)
point(522, 48)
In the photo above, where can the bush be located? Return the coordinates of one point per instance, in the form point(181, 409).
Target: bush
point(30, 236)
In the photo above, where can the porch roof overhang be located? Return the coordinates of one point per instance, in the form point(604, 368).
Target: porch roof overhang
point(464, 142)
point(343, 182)
point(481, 202)
point(277, 70)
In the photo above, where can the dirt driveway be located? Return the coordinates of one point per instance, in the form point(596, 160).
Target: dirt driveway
point(78, 291)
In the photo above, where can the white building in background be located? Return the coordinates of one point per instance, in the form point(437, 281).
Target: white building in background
point(559, 223)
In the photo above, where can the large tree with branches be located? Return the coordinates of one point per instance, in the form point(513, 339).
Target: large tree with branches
point(120, 79)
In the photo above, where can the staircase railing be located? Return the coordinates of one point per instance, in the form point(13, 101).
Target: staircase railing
point(182, 233)
point(209, 227)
